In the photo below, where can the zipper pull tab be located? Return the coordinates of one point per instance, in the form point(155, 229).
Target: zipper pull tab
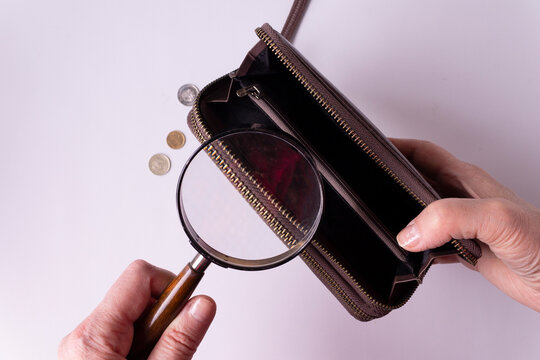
point(250, 90)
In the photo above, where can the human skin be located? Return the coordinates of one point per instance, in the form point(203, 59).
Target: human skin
point(507, 227)
point(108, 331)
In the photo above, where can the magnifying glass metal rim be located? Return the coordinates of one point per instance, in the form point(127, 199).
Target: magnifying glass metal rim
point(224, 260)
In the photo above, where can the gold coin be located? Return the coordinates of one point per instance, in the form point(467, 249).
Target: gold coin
point(176, 139)
point(159, 164)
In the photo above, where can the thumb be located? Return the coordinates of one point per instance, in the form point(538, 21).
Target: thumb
point(182, 337)
point(496, 222)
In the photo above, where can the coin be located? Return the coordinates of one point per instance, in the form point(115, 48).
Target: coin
point(176, 139)
point(187, 94)
point(159, 164)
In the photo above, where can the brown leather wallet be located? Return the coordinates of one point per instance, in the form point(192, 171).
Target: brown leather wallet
point(371, 190)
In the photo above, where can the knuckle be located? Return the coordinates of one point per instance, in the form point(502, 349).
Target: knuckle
point(64, 349)
point(469, 170)
point(78, 345)
point(139, 266)
point(427, 143)
point(506, 218)
point(437, 213)
point(181, 342)
point(502, 210)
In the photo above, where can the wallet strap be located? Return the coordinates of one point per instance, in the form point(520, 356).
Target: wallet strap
point(294, 19)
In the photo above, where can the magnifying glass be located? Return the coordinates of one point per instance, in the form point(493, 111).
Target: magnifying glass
point(248, 200)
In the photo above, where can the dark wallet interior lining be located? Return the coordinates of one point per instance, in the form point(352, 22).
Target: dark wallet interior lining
point(341, 232)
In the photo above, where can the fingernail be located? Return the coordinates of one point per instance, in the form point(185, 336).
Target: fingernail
point(408, 236)
point(200, 309)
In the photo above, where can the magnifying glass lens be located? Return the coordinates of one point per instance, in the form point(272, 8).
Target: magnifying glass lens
point(250, 199)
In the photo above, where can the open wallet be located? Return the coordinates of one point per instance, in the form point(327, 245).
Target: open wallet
point(371, 191)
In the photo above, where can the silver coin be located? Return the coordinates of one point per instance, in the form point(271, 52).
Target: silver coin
point(159, 164)
point(187, 94)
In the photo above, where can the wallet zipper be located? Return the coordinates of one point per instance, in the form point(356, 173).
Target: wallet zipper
point(348, 130)
point(314, 264)
point(200, 130)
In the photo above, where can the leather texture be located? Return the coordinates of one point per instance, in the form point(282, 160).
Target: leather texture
point(294, 19)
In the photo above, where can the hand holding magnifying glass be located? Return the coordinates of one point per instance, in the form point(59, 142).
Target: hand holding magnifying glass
point(249, 200)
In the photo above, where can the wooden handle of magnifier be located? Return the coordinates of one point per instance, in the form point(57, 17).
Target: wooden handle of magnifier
point(154, 321)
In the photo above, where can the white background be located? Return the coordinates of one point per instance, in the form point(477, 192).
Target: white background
point(88, 94)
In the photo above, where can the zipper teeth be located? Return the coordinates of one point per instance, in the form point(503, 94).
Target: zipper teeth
point(202, 133)
point(464, 252)
point(196, 129)
point(349, 131)
point(357, 284)
point(329, 280)
point(252, 199)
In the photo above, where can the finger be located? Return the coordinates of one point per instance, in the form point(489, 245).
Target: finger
point(440, 168)
point(496, 222)
point(182, 337)
point(128, 297)
point(427, 157)
point(108, 330)
point(456, 178)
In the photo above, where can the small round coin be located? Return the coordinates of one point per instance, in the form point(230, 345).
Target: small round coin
point(159, 164)
point(176, 139)
point(187, 94)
